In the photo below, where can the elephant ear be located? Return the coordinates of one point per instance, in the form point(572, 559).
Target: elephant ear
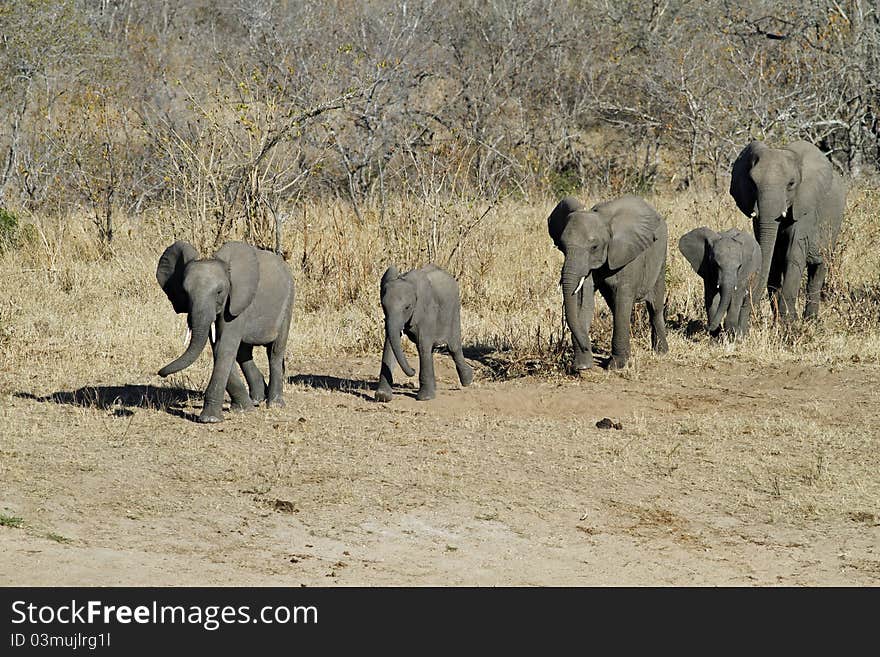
point(244, 274)
point(750, 250)
point(742, 187)
point(817, 178)
point(558, 219)
point(390, 274)
point(169, 273)
point(633, 225)
point(426, 298)
point(694, 246)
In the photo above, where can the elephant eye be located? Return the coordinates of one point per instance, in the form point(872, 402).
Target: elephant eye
point(790, 184)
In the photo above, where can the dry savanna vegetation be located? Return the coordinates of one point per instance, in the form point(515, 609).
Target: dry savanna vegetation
point(352, 136)
point(736, 463)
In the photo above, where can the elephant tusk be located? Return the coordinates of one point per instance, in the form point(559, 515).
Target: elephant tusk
point(580, 285)
point(754, 214)
point(213, 333)
point(187, 336)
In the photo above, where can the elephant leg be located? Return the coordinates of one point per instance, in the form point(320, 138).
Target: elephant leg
point(384, 389)
point(780, 267)
point(252, 374)
point(238, 393)
point(815, 279)
point(656, 303)
point(465, 371)
point(745, 313)
point(795, 265)
point(620, 336)
point(223, 378)
point(583, 358)
point(711, 298)
point(427, 382)
point(275, 392)
point(732, 320)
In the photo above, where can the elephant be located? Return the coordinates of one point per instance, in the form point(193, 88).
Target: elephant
point(247, 295)
point(796, 202)
point(425, 305)
point(729, 265)
point(619, 248)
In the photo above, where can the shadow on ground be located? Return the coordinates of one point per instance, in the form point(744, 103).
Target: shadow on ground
point(501, 364)
point(122, 399)
point(356, 387)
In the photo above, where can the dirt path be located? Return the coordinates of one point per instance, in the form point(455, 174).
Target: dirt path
point(720, 475)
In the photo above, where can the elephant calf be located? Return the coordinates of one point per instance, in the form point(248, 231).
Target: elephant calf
point(619, 248)
point(425, 305)
point(729, 264)
point(242, 297)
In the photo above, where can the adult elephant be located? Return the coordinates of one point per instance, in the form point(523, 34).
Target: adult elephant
point(618, 248)
point(241, 297)
point(796, 202)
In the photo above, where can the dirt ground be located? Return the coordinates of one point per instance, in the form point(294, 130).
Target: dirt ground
point(720, 475)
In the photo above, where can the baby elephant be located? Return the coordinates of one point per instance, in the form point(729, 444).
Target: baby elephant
point(424, 304)
point(729, 264)
point(241, 297)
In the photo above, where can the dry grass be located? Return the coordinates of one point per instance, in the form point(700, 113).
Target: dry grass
point(57, 285)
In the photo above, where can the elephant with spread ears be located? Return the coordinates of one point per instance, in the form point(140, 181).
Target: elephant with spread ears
point(796, 202)
point(241, 297)
point(618, 248)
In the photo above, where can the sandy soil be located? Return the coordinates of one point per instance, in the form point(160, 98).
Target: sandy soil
point(720, 475)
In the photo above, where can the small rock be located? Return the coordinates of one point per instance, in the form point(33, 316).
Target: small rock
point(608, 423)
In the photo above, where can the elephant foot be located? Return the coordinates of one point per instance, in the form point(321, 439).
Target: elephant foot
point(583, 360)
point(426, 395)
point(383, 395)
point(276, 402)
point(466, 376)
point(617, 363)
point(256, 401)
point(244, 407)
point(661, 346)
point(207, 418)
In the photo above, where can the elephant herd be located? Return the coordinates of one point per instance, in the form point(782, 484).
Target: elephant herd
point(243, 296)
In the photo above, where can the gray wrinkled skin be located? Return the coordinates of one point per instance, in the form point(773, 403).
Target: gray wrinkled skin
point(796, 202)
point(248, 294)
point(729, 264)
point(618, 248)
point(423, 304)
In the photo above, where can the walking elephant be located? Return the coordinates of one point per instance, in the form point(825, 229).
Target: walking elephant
point(619, 248)
point(796, 202)
point(424, 304)
point(728, 263)
point(241, 297)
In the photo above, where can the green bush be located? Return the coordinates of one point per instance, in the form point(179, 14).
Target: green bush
point(13, 233)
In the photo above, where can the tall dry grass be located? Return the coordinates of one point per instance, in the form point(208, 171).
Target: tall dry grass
point(70, 308)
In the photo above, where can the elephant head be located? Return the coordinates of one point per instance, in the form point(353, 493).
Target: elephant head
point(222, 286)
point(775, 184)
point(608, 236)
point(722, 261)
point(399, 304)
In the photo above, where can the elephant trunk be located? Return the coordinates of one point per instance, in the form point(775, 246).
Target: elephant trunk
point(392, 334)
point(572, 280)
point(770, 210)
point(727, 285)
point(200, 331)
